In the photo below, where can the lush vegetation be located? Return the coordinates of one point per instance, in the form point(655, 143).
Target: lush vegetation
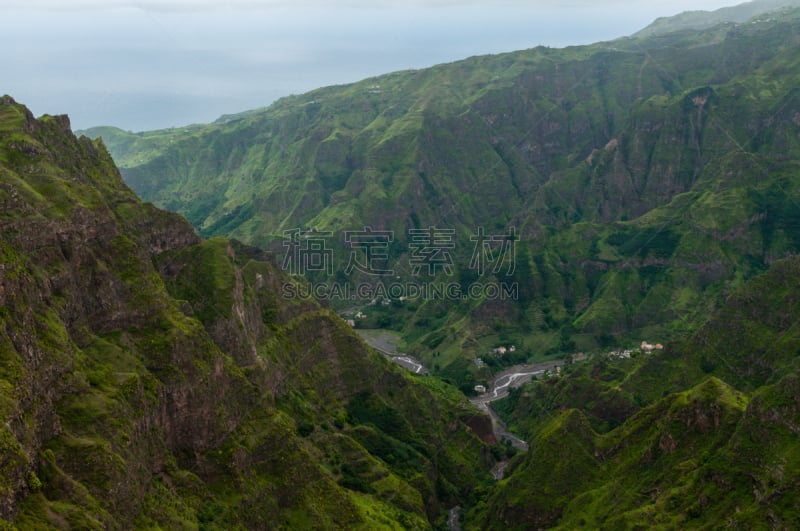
point(153, 379)
point(701, 435)
point(149, 379)
point(645, 178)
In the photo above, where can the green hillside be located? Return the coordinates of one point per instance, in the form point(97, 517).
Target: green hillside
point(151, 379)
point(700, 435)
point(698, 20)
point(644, 179)
point(171, 370)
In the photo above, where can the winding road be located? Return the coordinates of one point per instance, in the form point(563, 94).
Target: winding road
point(502, 383)
point(500, 386)
point(384, 342)
point(514, 377)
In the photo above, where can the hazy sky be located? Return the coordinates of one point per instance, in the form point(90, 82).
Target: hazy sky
point(151, 64)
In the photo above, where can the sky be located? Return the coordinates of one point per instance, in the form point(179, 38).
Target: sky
point(152, 64)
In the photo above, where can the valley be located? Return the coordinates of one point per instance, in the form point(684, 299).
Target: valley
point(544, 289)
point(385, 342)
point(620, 190)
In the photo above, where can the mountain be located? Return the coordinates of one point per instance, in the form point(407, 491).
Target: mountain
point(700, 20)
point(489, 140)
point(701, 435)
point(643, 180)
point(645, 188)
point(153, 379)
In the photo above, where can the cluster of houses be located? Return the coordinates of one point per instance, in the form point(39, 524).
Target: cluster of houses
point(645, 348)
point(500, 351)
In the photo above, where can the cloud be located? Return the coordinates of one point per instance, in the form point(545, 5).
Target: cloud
point(215, 5)
point(128, 62)
point(204, 5)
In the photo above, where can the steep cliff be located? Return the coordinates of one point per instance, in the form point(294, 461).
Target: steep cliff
point(150, 378)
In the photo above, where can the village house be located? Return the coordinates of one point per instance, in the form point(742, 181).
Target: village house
point(480, 389)
point(648, 348)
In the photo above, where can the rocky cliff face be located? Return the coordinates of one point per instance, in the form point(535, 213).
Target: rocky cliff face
point(151, 378)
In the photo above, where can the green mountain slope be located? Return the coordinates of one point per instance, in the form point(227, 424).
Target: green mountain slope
point(464, 144)
point(150, 379)
point(644, 179)
point(699, 20)
point(722, 452)
point(750, 342)
point(479, 137)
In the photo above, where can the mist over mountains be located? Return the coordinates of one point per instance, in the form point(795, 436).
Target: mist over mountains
point(644, 178)
point(642, 196)
point(143, 65)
